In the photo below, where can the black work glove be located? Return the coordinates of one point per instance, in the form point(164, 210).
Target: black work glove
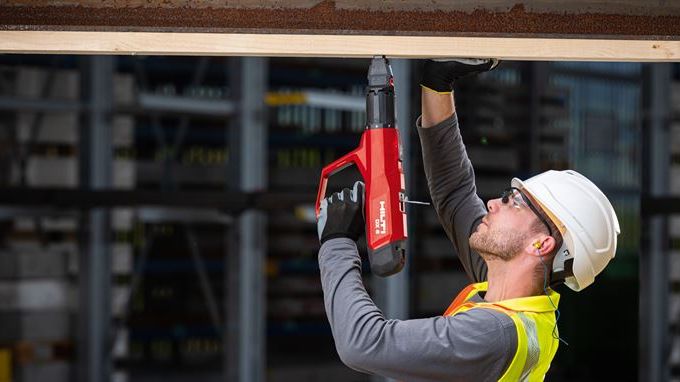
point(342, 214)
point(438, 75)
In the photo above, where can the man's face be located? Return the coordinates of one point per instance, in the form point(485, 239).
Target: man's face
point(507, 228)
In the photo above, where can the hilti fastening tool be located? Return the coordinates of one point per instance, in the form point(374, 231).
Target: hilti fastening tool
point(379, 160)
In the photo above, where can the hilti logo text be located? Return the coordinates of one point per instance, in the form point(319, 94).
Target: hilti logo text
point(381, 221)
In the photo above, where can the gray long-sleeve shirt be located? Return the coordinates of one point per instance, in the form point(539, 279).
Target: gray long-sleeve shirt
point(476, 345)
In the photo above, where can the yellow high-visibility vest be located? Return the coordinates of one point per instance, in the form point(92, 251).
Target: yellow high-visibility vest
point(534, 319)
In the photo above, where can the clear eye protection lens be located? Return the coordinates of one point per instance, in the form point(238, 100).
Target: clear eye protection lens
point(518, 200)
point(514, 195)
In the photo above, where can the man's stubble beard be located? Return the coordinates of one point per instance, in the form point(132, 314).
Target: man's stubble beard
point(497, 243)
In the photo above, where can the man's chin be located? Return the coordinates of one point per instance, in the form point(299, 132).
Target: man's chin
point(483, 250)
point(476, 240)
point(475, 243)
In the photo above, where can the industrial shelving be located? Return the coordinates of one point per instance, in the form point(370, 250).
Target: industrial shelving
point(41, 245)
point(175, 315)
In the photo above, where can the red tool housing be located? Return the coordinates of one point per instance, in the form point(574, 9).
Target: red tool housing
point(378, 159)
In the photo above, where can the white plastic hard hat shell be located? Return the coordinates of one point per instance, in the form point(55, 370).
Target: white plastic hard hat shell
point(586, 214)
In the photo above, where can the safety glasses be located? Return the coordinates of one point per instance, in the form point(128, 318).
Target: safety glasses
point(518, 199)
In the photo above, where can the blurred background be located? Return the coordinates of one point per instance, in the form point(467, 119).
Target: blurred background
point(157, 223)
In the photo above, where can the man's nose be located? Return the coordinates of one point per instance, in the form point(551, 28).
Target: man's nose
point(493, 204)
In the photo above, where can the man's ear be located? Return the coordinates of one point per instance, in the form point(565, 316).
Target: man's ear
point(542, 246)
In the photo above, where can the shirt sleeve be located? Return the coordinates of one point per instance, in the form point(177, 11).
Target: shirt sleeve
point(451, 180)
point(474, 345)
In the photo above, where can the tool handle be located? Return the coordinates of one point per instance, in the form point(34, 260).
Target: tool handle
point(340, 164)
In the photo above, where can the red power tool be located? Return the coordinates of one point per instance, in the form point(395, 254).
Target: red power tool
point(378, 158)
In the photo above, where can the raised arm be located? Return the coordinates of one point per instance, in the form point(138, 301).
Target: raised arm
point(472, 346)
point(450, 176)
point(436, 107)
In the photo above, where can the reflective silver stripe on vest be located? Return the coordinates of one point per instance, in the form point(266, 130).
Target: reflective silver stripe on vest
point(533, 349)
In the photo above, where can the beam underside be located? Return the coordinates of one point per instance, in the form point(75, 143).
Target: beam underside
point(300, 45)
point(623, 30)
point(616, 19)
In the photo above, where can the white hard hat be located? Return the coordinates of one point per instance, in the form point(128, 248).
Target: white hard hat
point(584, 216)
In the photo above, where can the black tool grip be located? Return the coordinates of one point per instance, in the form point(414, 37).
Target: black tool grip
point(388, 259)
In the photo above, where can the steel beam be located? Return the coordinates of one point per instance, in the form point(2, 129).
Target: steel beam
point(185, 105)
point(662, 205)
point(228, 202)
point(247, 364)
point(39, 105)
point(94, 278)
point(654, 278)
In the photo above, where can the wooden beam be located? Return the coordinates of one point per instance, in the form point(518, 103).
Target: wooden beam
point(579, 30)
point(317, 45)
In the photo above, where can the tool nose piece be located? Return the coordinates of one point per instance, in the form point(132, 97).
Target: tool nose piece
point(380, 111)
point(379, 72)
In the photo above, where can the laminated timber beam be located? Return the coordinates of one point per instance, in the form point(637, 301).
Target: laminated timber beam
point(579, 30)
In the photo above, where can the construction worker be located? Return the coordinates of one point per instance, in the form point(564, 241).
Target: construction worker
point(556, 227)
